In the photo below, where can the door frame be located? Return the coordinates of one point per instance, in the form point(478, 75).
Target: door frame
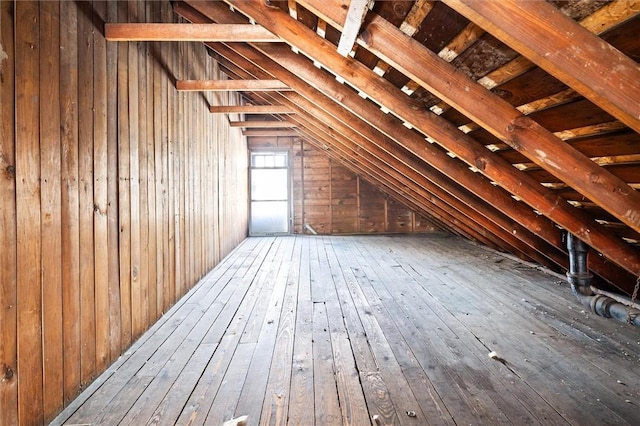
point(289, 190)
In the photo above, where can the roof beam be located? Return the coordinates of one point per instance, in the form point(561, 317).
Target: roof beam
point(230, 85)
point(250, 109)
point(263, 124)
point(188, 32)
point(355, 16)
point(542, 199)
point(563, 48)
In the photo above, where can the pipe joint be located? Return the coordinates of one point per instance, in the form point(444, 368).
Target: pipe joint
point(601, 305)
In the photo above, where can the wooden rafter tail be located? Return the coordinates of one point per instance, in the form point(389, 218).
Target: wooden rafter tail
point(230, 85)
point(187, 32)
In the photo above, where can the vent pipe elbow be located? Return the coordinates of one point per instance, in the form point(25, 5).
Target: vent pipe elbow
point(580, 279)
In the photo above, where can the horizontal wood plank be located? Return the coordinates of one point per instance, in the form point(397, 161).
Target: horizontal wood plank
point(187, 32)
point(229, 85)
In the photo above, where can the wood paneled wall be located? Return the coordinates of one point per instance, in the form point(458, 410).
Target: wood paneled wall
point(333, 200)
point(117, 193)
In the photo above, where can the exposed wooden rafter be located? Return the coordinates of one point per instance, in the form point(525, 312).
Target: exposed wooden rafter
point(562, 47)
point(187, 32)
point(229, 85)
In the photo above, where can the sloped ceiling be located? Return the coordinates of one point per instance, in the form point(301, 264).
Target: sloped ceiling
point(506, 121)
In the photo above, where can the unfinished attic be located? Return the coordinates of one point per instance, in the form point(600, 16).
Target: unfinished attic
point(320, 212)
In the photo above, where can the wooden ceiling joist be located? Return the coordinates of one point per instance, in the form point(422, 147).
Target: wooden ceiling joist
point(269, 133)
point(562, 47)
point(543, 200)
point(230, 85)
point(250, 109)
point(263, 124)
point(187, 32)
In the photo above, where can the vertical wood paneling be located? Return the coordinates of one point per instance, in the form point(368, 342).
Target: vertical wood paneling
point(134, 179)
point(85, 181)
point(117, 193)
point(51, 207)
point(331, 199)
point(151, 212)
point(8, 241)
point(143, 272)
point(100, 189)
point(157, 207)
point(124, 202)
point(113, 234)
point(29, 245)
point(69, 196)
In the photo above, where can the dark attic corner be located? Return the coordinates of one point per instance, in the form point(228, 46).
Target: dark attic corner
point(319, 212)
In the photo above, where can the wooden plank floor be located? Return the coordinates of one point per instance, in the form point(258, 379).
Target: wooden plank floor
point(336, 330)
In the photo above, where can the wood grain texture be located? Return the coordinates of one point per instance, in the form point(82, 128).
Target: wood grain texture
point(28, 215)
point(51, 211)
point(8, 237)
point(87, 253)
point(398, 325)
point(535, 32)
point(187, 32)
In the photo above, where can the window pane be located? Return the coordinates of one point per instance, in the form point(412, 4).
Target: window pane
point(269, 184)
point(269, 216)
